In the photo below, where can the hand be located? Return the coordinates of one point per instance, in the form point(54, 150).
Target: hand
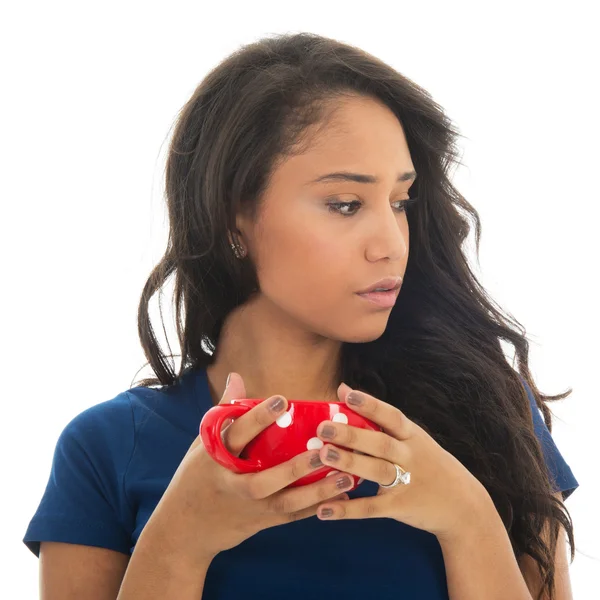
point(207, 509)
point(442, 494)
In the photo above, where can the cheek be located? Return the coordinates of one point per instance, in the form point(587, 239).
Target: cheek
point(305, 267)
point(328, 257)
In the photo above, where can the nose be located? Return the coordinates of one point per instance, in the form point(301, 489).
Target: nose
point(388, 237)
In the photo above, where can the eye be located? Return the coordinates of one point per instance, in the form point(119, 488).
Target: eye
point(338, 207)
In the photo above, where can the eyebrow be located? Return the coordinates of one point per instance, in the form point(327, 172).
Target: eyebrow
point(359, 177)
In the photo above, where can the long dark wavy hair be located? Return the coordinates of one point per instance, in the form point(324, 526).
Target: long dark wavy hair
point(440, 359)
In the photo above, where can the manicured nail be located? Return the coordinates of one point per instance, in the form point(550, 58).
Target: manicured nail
point(276, 404)
point(343, 482)
point(227, 382)
point(355, 398)
point(315, 461)
point(326, 512)
point(332, 454)
point(328, 432)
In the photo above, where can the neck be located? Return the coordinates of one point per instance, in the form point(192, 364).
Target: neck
point(274, 356)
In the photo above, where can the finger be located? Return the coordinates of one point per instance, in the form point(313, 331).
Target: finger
point(365, 441)
point(268, 482)
point(242, 430)
point(391, 419)
point(371, 507)
point(380, 470)
point(311, 511)
point(295, 499)
point(226, 424)
point(234, 389)
point(315, 507)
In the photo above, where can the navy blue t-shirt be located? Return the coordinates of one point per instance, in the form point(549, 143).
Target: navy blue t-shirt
point(113, 462)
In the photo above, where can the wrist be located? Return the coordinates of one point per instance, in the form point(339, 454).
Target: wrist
point(178, 545)
point(155, 571)
point(481, 516)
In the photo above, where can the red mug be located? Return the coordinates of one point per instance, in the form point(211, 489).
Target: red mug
point(294, 432)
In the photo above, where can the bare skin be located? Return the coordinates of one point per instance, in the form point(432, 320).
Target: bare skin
point(311, 262)
point(205, 510)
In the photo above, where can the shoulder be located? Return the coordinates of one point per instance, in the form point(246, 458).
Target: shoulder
point(102, 433)
point(105, 412)
point(122, 413)
point(117, 425)
point(109, 417)
point(160, 410)
point(562, 476)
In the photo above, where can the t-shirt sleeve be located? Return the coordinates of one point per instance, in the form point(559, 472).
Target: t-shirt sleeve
point(559, 470)
point(84, 501)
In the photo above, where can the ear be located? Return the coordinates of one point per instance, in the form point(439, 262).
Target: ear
point(244, 230)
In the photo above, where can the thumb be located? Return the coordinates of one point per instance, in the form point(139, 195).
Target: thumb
point(235, 388)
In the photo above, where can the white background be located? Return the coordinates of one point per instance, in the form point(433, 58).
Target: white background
point(90, 91)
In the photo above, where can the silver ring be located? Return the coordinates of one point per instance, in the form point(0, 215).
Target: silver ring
point(402, 476)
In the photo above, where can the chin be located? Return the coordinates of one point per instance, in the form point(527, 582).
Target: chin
point(361, 335)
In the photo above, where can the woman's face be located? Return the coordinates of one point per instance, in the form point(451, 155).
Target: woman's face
point(311, 258)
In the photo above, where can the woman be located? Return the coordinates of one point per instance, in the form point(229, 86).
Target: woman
point(303, 172)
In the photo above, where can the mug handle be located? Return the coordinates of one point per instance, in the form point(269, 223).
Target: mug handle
point(210, 432)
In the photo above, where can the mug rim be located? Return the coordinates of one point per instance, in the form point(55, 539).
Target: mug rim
point(259, 400)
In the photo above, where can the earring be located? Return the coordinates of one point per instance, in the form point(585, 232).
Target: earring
point(238, 249)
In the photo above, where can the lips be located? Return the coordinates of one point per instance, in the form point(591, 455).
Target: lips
point(382, 299)
point(386, 284)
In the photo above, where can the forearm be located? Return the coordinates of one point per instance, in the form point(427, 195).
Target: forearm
point(480, 562)
point(157, 571)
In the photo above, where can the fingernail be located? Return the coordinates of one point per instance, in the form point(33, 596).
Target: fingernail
point(326, 512)
point(315, 461)
point(355, 398)
point(344, 386)
point(328, 432)
point(227, 382)
point(332, 454)
point(343, 482)
point(276, 404)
